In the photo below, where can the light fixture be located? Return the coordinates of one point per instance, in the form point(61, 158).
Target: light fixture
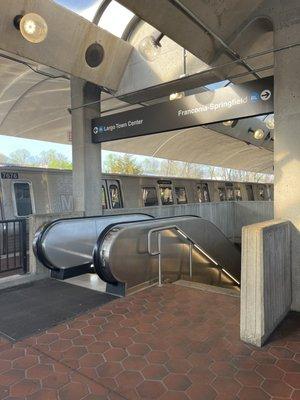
point(176, 96)
point(150, 47)
point(231, 122)
point(258, 134)
point(32, 26)
point(270, 123)
point(228, 123)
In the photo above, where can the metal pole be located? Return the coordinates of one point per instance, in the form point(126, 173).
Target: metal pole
point(191, 258)
point(159, 260)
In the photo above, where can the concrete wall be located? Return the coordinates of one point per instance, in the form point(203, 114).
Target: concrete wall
point(287, 135)
point(69, 36)
point(266, 293)
point(86, 156)
point(251, 212)
point(230, 217)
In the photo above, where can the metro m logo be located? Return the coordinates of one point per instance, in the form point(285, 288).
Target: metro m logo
point(67, 203)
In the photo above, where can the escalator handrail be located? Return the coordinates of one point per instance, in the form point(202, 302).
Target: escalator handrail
point(190, 240)
point(183, 234)
point(43, 229)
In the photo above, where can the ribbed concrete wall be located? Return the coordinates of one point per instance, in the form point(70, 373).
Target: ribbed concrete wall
point(266, 293)
point(230, 217)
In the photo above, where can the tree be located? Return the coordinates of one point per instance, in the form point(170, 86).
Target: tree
point(21, 157)
point(46, 159)
point(122, 164)
point(151, 166)
point(3, 159)
point(53, 159)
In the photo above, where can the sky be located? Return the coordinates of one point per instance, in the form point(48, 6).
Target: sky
point(76, 4)
point(9, 144)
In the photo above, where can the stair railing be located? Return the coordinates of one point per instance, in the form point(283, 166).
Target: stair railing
point(179, 231)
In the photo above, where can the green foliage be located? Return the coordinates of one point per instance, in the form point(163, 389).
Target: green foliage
point(127, 164)
point(46, 159)
point(53, 159)
point(122, 164)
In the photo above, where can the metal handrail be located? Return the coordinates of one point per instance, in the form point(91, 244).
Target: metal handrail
point(192, 244)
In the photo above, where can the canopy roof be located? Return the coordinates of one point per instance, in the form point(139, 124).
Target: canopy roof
point(198, 145)
point(35, 105)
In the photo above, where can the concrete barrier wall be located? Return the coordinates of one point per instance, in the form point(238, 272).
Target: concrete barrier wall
point(251, 212)
point(230, 217)
point(266, 293)
point(227, 216)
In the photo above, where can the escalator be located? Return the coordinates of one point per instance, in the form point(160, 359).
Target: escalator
point(131, 251)
point(65, 246)
point(129, 256)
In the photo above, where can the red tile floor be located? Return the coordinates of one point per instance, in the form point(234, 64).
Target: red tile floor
point(170, 343)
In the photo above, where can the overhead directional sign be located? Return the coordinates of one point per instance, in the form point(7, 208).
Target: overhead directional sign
point(232, 102)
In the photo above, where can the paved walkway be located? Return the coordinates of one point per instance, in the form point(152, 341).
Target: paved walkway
point(170, 343)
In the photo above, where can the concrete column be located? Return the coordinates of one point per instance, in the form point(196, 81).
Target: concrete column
point(266, 279)
point(287, 136)
point(86, 155)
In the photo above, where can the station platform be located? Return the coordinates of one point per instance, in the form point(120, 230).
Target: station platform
point(168, 343)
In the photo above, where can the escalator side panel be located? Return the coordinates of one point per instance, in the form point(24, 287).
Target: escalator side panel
point(69, 243)
point(121, 252)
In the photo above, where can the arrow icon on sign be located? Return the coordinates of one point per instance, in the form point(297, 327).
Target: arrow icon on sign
point(265, 94)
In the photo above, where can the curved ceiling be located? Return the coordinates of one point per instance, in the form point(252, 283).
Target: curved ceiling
point(198, 145)
point(35, 106)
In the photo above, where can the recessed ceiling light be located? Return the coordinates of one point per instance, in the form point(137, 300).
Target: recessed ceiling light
point(228, 123)
point(258, 134)
point(232, 123)
point(270, 123)
point(32, 26)
point(176, 96)
point(150, 48)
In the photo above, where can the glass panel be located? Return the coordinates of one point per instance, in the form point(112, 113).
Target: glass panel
point(271, 192)
point(104, 198)
point(115, 196)
point(203, 193)
point(199, 194)
point(250, 194)
point(149, 196)
point(85, 8)
point(180, 195)
point(229, 191)
point(166, 195)
point(268, 193)
point(237, 194)
point(222, 194)
point(115, 18)
point(261, 193)
point(23, 199)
